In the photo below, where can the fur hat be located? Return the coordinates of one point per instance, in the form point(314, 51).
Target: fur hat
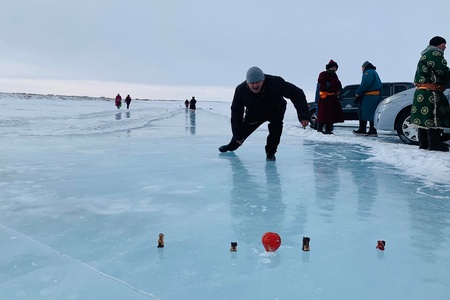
point(368, 66)
point(254, 74)
point(331, 64)
point(365, 64)
point(437, 40)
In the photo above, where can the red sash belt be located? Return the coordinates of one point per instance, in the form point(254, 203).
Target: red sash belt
point(430, 86)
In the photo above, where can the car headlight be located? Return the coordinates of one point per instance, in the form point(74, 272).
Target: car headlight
point(393, 98)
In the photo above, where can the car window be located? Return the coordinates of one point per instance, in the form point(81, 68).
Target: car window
point(349, 92)
point(400, 88)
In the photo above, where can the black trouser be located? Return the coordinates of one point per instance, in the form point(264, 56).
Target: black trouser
point(435, 140)
point(275, 127)
point(363, 125)
point(422, 135)
point(320, 126)
point(128, 104)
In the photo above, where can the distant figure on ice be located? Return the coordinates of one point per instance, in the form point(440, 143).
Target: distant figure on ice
point(329, 109)
point(192, 106)
point(259, 99)
point(186, 103)
point(118, 101)
point(128, 101)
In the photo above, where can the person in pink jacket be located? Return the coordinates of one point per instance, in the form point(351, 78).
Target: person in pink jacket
point(118, 101)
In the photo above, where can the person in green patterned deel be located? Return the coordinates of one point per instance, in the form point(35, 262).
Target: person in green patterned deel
point(430, 111)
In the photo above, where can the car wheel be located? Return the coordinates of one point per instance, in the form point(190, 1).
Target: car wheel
point(313, 119)
point(405, 131)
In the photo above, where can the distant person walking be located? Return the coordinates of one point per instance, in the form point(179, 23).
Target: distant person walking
point(368, 96)
point(258, 99)
point(430, 111)
point(186, 103)
point(329, 110)
point(128, 101)
point(192, 104)
point(118, 101)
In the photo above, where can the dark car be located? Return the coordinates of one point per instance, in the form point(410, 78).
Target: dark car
point(347, 99)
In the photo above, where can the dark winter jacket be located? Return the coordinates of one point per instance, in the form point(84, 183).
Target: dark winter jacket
point(370, 82)
point(259, 107)
point(329, 82)
point(192, 103)
point(329, 109)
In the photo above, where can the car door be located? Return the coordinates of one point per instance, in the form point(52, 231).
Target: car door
point(386, 91)
point(347, 100)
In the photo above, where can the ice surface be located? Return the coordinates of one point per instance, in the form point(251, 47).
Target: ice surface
point(85, 189)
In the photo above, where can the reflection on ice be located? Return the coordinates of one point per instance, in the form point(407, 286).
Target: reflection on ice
point(263, 208)
point(270, 259)
point(192, 122)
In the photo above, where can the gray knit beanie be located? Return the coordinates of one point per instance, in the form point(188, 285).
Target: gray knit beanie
point(254, 74)
point(365, 64)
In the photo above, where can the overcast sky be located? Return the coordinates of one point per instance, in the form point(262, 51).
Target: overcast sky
point(176, 49)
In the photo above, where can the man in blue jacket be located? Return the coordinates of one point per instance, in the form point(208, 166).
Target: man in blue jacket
point(368, 95)
point(258, 99)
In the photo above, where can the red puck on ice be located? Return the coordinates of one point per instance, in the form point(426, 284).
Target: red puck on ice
point(381, 244)
point(271, 241)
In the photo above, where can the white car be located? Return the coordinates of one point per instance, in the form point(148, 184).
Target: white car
point(394, 114)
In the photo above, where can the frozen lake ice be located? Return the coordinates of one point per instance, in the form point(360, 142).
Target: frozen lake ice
point(85, 190)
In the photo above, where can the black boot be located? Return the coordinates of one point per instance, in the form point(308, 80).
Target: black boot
point(233, 145)
point(320, 127)
point(422, 135)
point(270, 157)
point(362, 128)
point(372, 131)
point(434, 140)
point(328, 128)
point(445, 136)
point(270, 152)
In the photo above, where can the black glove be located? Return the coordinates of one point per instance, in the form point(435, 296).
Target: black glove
point(358, 99)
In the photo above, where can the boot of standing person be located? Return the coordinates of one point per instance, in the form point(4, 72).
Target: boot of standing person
point(434, 140)
point(320, 127)
point(372, 131)
point(362, 128)
point(422, 135)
